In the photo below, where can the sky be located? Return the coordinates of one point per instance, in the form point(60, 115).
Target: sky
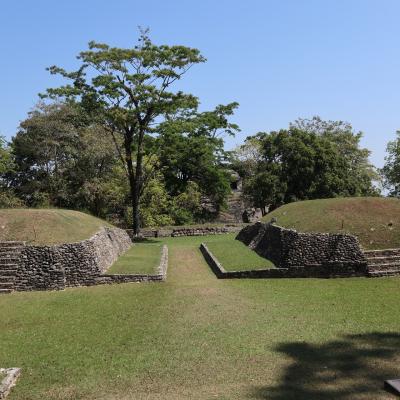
point(279, 59)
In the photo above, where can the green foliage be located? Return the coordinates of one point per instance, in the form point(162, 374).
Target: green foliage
point(187, 205)
point(8, 199)
point(391, 169)
point(192, 150)
point(312, 159)
point(361, 174)
point(155, 204)
point(129, 92)
point(6, 161)
point(63, 159)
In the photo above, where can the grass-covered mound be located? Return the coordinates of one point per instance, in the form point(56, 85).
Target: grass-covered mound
point(235, 255)
point(374, 220)
point(47, 226)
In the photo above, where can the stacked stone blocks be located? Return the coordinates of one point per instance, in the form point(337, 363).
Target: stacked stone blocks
point(65, 265)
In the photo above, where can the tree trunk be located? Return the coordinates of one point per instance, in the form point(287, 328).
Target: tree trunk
point(138, 184)
point(128, 137)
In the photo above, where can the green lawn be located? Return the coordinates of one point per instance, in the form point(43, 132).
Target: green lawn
point(236, 256)
point(141, 258)
point(198, 337)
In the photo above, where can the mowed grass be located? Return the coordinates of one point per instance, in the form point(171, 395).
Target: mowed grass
point(141, 258)
point(236, 256)
point(197, 337)
point(374, 220)
point(47, 226)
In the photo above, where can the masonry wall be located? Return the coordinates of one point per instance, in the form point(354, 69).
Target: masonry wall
point(287, 248)
point(71, 264)
point(188, 231)
point(330, 270)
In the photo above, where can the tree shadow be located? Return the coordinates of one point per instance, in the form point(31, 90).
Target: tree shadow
point(353, 367)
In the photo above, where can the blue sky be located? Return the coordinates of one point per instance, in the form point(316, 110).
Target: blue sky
point(279, 59)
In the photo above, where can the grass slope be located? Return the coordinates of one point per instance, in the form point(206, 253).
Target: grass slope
point(236, 256)
point(375, 221)
point(47, 226)
point(141, 258)
point(197, 337)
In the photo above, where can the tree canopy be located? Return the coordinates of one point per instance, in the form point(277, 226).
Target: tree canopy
point(129, 92)
point(312, 159)
point(391, 169)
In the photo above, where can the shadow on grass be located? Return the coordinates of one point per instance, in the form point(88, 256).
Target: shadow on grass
point(353, 367)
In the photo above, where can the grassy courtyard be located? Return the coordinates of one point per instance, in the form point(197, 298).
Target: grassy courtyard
point(141, 258)
point(197, 337)
point(235, 255)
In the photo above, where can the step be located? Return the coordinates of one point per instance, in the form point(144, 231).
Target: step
point(8, 272)
point(379, 274)
point(11, 249)
point(12, 244)
point(13, 253)
point(8, 264)
point(6, 285)
point(389, 265)
point(8, 261)
point(6, 278)
point(382, 253)
point(5, 291)
point(383, 260)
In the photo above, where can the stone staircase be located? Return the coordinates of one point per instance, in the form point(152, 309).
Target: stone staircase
point(383, 262)
point(9, 256)
point(234, 211)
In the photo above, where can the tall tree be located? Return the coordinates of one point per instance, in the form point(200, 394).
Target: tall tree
point(303, 163)
point(342, 134)
point(129, 90)
point(7, 166)
point(62, 159)
point(45, 145)
point(6, 160)
point(391, 169)
point(192, 150)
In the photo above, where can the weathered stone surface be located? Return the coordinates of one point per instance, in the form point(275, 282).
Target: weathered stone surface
point(287, 248)
point(187, 231)
point(72, 264)
point(332, 270)
point(10, 378)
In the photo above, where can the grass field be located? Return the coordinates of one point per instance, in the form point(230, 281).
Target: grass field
point(52, 226)
point(375, 221)
point(236, 256)
point(197, 337)
point(141, 258)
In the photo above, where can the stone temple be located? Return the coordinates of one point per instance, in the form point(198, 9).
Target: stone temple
point(239, 209)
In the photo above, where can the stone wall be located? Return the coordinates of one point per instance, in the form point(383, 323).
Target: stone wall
point(187, 231)
point(330, 270)
point(71, 264)
point(287, 248)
